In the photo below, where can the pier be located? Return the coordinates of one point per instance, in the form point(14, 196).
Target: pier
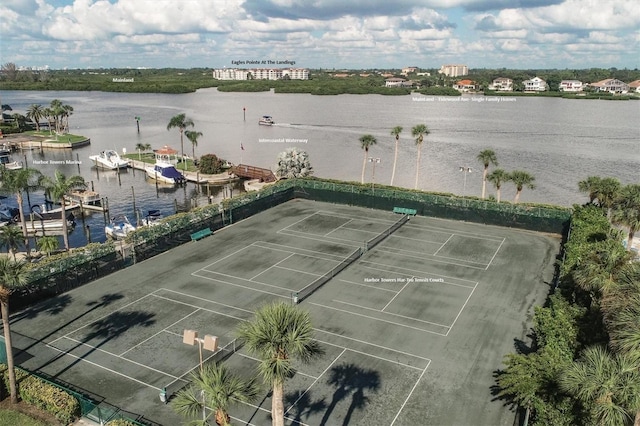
point(195, 177)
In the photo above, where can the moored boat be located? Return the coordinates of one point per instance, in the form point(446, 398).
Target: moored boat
point(119, 227)
point(165, 172)
point(109, 160)
point(152, 218)
point(6, 161)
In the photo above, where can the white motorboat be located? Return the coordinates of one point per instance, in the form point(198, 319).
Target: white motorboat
point(119, 227)
point(165, 172)
point(266, 120)
point(110, 160)
point(6, 161)
point(152, 218)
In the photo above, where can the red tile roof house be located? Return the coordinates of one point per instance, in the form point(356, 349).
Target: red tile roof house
point(611, 85)
point(465, 86)
point(634, 86)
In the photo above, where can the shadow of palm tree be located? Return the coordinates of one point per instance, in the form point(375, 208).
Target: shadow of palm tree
point(52, 307)
point(350, 379)
point(302, 406)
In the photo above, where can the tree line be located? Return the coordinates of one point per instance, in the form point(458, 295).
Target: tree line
point(583, 365)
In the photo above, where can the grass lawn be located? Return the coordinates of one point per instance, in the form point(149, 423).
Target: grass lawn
point(25, 415)
point(65, 138)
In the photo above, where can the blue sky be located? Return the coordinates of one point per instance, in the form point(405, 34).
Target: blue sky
point(321, 33)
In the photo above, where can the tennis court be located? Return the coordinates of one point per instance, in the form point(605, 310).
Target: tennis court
point(414, 314)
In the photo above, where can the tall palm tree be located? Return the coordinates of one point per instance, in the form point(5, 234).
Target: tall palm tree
point(18, 181)
point(57, 111)
point(419, 132)
point(498, 177)
point(606, 384)
point(181, 121)
point(13, 275)
point(607, 193)
point(193, 136)
point(395, 132)
point(58, 187)
point(35, 112)
point(626, 210)
point(521, 179)
point(279, 334)
point(67, 111)
point(590, 185)
point(10, 237)
point(598, 272)
point(216, 388)
point(366, 141)
point(486, 157)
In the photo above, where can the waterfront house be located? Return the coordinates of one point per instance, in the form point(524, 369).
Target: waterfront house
point(397, 82)
point(634, 86)
point(536, 84)
point(611, 85)
point(570, 86)
point(465, 86)
point(502, 84)
point(409, 70)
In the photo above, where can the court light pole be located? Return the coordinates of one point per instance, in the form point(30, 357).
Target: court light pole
point(464, 170)
point(373, 172)
point(209, 343)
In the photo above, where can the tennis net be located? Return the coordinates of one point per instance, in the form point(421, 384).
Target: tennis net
point(378, 238)
point(299, 296)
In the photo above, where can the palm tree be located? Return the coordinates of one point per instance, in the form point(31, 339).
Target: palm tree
point(193, 136)
point(12, 276)
point(17, 181)
point(607, 193)
point(181, 121)
point(590, 185)
point(142, 147)
point(365, 142)
point(214, 387)
point(10, 237)
point(606, 384)
point(626, 210)
point(498, 177)
point(67, 111)
point(419, 132)
point(35, 113)
point(48, 244)
point(598, 272)
point(279, 334)
point(58, 187)
point(57, 111)
point(395, 132)
point(521, 179)
point(486, 157)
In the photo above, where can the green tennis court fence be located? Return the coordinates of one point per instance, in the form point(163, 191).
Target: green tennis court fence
point(300, 295)
point(378, 238)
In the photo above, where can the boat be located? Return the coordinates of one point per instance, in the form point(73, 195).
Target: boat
point(109, 160)
point(119, 227)
point(165, 172)
point(41, 212)
point(47, 223)
point(8, 214)
point(266, 120)
point(6, 161)
point(152, 218)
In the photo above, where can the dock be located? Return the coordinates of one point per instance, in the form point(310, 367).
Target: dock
point(195, 177)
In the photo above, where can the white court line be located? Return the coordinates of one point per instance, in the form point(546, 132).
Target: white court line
point(396, 295)
point(404, 252)
point(390, 313)
point(315, 381)
point(443, 244)
point(410, 393)
point(297, 271)
point(242, 286)
point(420, 240)
point(368, 286)
point(346, 216)
point(424, 273)
point(205, 300)
point(377, 319)
point(269, 411)
point(241, 279)
point(95, 348)
point(299, 234)
point(225, 257)
point(298, 221)
point(455, 231)
point(334, 230)
point(431, 259)
point(368, 343)
point(461, 309)
point(265, 270)
point(104, 316)
point(154, 335)
point(104, 368)
point(198, 308)
point(368, 354)
point(297, 250)
point(495, 254)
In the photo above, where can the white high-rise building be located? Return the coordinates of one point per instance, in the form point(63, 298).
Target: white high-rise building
point(454, 70)
point(261, 74)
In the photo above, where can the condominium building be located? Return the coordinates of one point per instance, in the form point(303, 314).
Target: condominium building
point(454, 70)
point(261, 74)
